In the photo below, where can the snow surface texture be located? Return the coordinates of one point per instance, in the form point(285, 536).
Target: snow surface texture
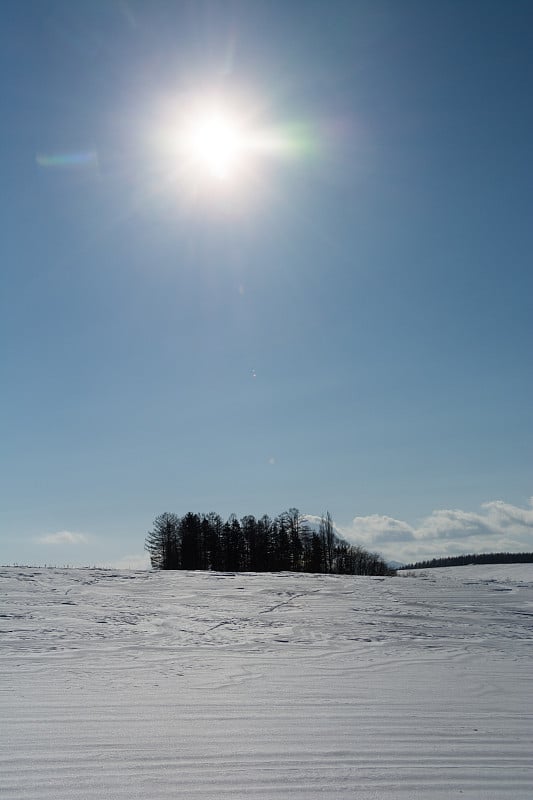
point(266, 687)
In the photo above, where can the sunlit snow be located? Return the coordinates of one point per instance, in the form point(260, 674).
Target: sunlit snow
point(126, 685)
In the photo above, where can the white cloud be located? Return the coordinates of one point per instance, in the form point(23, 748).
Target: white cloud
point(63, 537)
point(380, 529)
point(497, 527)
point(508, 514)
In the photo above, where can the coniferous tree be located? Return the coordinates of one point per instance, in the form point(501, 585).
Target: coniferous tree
point(263, 541)
point(471, 558)
point(317, 562)
point(162, 542)
point(204, 541)
point(328, 540)
point(249, 533)
point(190, 530)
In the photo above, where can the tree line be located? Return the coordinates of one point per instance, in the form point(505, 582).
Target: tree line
point(480, 558)
point(286, 542)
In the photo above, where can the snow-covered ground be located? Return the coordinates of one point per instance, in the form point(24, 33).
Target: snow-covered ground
point(124, 685)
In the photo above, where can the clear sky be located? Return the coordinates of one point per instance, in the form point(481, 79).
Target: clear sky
point(343, 321)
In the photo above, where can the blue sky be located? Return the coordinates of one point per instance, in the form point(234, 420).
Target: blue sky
point(345, 326)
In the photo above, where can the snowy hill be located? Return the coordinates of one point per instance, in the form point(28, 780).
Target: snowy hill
point(149, 686)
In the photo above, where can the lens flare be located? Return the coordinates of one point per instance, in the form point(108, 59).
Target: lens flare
point(87, 158)
point(221, 150)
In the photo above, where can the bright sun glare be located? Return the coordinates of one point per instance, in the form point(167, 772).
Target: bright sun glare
point(214, 144)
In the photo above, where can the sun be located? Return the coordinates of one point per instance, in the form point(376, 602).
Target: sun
point(214, 143)
point(216, 147)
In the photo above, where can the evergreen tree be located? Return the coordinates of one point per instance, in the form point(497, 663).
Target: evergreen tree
point(286, 543)
point(163, 542)
point(190, 533)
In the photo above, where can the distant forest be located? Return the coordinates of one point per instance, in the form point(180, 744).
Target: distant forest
point(483, 558)
point(287, 542)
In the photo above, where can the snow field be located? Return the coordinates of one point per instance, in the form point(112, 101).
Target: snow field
point(120, 685)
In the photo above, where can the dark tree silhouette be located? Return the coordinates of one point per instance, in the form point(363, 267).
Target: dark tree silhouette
point(470, 558)
point(190, 533)
point(162, 542)
point(204, 541)
point(328, 537)
point(317, 562)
